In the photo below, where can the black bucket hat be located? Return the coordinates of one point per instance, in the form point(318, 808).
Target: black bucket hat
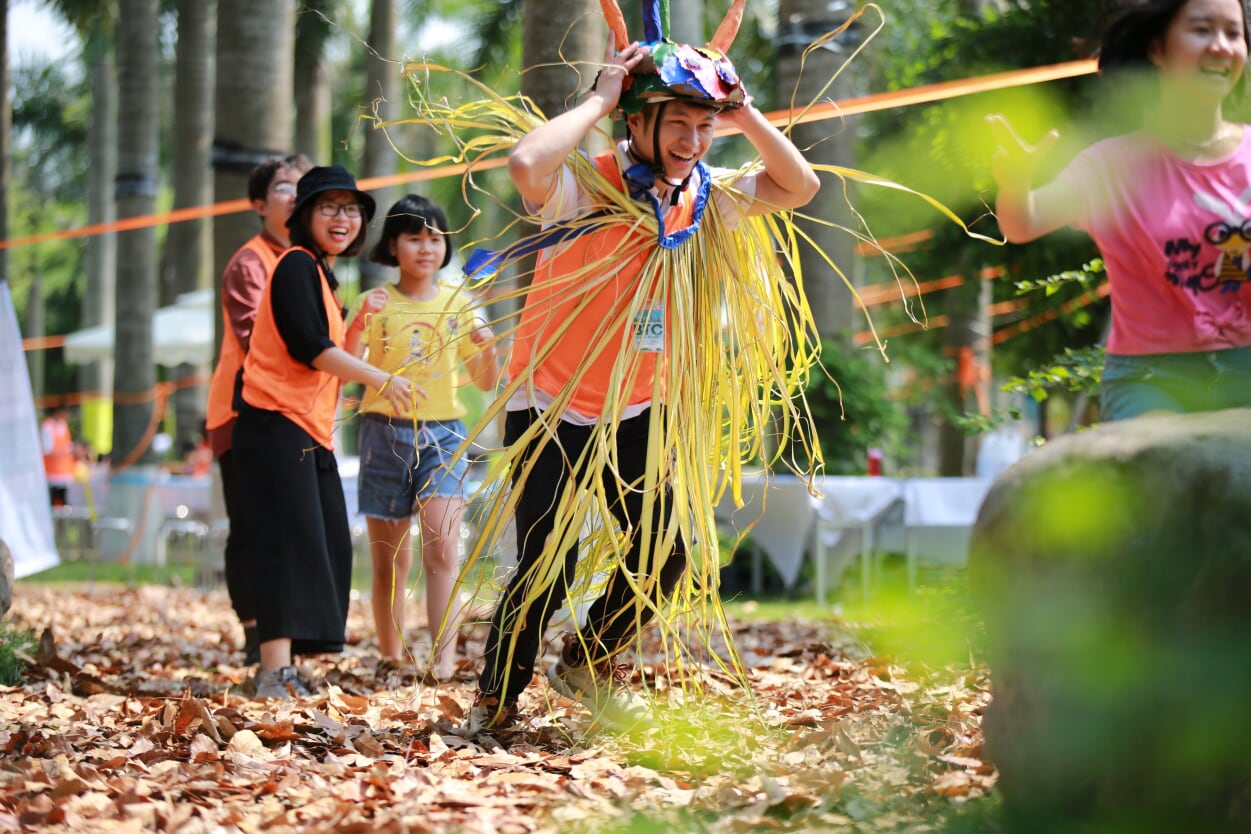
point(328, 178)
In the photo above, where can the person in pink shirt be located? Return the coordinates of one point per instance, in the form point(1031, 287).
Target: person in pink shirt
point(1168, 205)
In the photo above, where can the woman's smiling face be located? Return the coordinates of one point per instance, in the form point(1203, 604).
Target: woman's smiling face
point(335, 221)
point(1204, 48)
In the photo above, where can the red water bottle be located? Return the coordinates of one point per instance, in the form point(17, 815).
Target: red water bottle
point(875, 461)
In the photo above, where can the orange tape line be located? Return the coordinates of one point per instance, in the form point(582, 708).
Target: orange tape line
point(42, 342)
point(235, 206)
point(819, 112)
point(939, 91)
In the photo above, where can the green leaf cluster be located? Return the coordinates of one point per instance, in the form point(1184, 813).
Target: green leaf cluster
point(853, 411)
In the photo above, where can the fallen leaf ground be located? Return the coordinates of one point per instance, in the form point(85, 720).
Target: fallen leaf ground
point(132, 718)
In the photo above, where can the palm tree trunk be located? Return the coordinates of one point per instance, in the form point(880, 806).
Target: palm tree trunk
point(967, 340)
point(96, 379)
point(832, 143)
point(34, 327)
point(137, 153)
point(255, 50)
point(551, 34)
point(381, 90)
point(554, 32)
point(96, 24)
point(686, 22)
point(312, 86)
point(826, 142)
point(191, 241)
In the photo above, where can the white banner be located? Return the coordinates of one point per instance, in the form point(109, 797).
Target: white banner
point(25, 511)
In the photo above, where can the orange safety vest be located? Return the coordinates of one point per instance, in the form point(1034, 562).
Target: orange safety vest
point(59, 464)
point(220, 410)
point(274, 381)
point(554, 359)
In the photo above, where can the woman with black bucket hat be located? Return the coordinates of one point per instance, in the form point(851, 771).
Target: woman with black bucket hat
point(295, 521)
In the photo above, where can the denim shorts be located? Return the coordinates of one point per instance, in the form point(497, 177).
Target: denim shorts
point(1182, 383)
point(401, 465)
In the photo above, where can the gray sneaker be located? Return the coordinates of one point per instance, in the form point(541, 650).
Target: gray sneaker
point(282, 682)
point(488, 715)
point(601, 688)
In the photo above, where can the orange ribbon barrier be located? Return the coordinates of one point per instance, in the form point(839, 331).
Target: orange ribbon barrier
point(940, 91)
point(42, 342)
point(818, 112)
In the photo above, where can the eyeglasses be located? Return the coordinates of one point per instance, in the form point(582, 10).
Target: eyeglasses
point(331, 209)
point(285, 189)
point(1219, 232)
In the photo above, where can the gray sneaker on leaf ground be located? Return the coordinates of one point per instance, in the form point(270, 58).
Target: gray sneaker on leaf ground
point(601, 688)
point(282, 682)
point(488, 715)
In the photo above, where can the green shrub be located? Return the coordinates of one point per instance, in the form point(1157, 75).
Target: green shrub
point(853, 410)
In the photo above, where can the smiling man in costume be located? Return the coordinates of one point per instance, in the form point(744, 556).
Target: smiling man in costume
point(604, 323)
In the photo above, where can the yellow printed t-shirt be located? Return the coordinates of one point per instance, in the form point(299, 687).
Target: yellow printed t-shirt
point(426, 341)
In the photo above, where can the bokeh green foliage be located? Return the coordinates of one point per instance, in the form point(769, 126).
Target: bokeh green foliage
point(851, 407)
point(49, 165)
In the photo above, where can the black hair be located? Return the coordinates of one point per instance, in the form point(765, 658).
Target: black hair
point(410, 215)
point(262, 175)
point(1129, 38)
point(301, 232)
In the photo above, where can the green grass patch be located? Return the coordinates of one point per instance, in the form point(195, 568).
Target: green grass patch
point(17, 649)
point(80, 571)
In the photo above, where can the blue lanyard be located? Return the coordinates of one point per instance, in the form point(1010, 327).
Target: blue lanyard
point(483, 263)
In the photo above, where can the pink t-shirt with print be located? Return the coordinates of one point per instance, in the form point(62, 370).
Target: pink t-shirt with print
point(1174, 236)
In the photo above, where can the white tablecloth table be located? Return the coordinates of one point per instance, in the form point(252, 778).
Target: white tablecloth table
point(172, 496)
point(778, 514)
point(128, 510)
point(850, 504)
point(938, 517)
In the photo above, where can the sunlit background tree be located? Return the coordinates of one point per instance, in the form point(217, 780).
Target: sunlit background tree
point(223, 84)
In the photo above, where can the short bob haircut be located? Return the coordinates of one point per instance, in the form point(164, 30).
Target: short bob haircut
point(301, 230)
point(410, 215)
point(1127, 42)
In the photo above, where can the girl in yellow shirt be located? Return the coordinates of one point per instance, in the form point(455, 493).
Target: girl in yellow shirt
point(427, 333)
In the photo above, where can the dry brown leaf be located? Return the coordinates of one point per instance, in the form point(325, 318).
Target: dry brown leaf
point(141, 727)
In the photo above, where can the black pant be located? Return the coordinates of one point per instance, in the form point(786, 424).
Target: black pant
point(295, 530)
point(614, 619)
point(238, 572)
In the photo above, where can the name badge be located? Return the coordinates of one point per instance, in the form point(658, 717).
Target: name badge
point(649, 329)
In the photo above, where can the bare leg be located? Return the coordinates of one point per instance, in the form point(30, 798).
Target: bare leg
point(276, 653)
point(391, 549)
point(440, 556)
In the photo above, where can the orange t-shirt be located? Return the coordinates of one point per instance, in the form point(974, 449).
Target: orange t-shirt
point(577, 320)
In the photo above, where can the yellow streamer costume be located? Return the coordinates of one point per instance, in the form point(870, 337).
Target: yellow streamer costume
point(721, 390)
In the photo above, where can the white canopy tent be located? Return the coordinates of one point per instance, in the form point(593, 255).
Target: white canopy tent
point(181, 334)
